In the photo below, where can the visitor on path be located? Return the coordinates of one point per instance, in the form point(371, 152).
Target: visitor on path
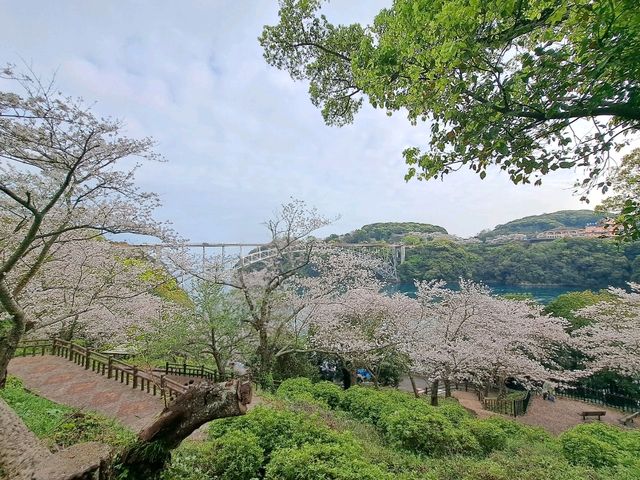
point(548, 391)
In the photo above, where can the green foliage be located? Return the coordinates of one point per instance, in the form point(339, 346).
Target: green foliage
point(314, 462)
point(300, 390)
point(42, 416)
point(326, 393)
point(329, 392)
point(585, 262)
point(437, 259)
point(78, 427)
point(391, 370)
point(489, 435)
point(59, 425)
point(188, 462)
point(276, 429)
point(626, 200)
point(382, 232)
point(567, 304)
point(427, 433)
point(399, 437)
point(294, 365)
point(166, 286)
point(236, 456)
point(452, 411)
point(371, 405)
point(520, 297)
point(499, 82)
point(601, 445)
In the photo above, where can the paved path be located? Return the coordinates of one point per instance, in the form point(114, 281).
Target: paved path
point(65, 382)
point(554, 417)
point(564, 413)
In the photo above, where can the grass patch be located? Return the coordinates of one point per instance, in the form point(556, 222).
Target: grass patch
point(59, 426)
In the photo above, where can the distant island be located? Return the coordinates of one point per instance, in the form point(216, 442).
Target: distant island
point(569, 247)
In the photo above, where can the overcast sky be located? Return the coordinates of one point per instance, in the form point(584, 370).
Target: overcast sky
point(240, 137)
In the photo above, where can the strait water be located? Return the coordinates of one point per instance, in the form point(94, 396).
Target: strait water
point(541, 293)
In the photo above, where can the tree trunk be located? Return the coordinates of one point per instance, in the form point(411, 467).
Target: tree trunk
point(434, 393)
point(413, 386)
point(200, 404)
point(502, 388)
point(266, 361)
point(11, 330)
point(447, 388)
point(216, 354)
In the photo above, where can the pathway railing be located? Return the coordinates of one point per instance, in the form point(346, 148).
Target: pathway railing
point(153, 381)
point(600, 397)
point(188, 370)
point(515, 407)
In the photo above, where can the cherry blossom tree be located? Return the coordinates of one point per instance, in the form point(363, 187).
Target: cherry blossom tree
point(363, 327)
point(469, 334)
point(107, 293)
point(64, 177)
point(612, 340)
point(282, 291)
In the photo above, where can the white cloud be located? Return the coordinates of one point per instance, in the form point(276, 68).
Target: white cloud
point(240, 136)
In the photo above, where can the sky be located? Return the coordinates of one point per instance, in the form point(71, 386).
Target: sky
point(240, 137)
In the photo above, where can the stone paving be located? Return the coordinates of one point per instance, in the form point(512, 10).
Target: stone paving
point(65, 382)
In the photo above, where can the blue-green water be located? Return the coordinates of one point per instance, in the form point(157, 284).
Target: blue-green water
point(542, 294)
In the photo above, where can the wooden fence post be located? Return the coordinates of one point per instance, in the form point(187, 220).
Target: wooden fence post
point(53, 346)
point(86, 358)
point(135, 377)
point(109, 366)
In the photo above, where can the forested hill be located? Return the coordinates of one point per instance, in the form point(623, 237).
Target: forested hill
point(584, 262)
point(386, 232)
point(546, 221)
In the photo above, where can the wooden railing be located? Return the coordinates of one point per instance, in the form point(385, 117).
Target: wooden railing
point(200, 371)
point(506, 406)
point(153, 381)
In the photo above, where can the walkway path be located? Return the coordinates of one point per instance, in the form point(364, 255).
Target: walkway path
point(554, 417)
point(65, 382)
point(558, 416)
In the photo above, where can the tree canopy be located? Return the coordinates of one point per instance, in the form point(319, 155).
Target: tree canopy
point(383, 232)
point(531, 86)
point(625, 202)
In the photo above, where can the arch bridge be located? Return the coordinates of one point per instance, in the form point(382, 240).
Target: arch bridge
point(258, 252)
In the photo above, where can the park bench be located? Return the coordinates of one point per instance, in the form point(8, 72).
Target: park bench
point(598, 413)
point(629, 418)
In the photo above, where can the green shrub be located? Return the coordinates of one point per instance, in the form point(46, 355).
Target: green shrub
point(582, 448)
point(276, 429)
point(300, 390)
point(315, 462)
point(489, 434)
point(453, 411)
point(189, 462)
point(328, 392)
point(428, 433)
point(372, 405)
point(601, 445)
point(236, 456)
